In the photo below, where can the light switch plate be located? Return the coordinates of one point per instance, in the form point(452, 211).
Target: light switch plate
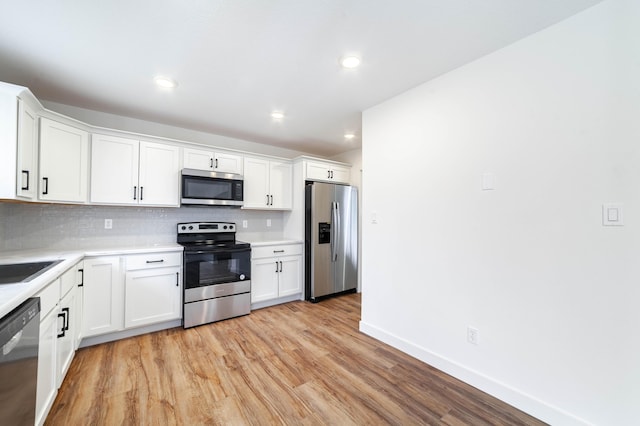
point(612, 214)
point(245, 223)
point(488, 181)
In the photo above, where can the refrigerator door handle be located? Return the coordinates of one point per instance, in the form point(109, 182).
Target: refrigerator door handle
point(334, 231)
point(337, 231)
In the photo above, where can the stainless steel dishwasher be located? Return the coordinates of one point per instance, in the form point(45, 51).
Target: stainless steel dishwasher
point(19, 337)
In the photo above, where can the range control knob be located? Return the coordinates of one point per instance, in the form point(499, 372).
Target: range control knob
point(242, 277)
point(184, 227)
point(224, 227)
point(230, 226)
point(190, 227)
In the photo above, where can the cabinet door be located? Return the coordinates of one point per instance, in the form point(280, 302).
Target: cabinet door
point(65, 345)
point(227, 163)
point(152, 296)
point(63, 162)
point(114, 170)
point(197, 159)
point(290, 277)
point(341, 174)
point(103, 296)
point(318, 171)
point(27, 151)
point(281, 182)
point(264, 279)
point(47, 383)
point(256, 183)
point(159, 174)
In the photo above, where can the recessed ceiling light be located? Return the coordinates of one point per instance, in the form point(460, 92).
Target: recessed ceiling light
point(166, 82)
point(277, 115)
point(349, 136)
point(349, 61)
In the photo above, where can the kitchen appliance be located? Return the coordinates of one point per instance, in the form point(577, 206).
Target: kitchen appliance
point(201, 187)
point(331, 240)
point(217, 272)
point(19, 339)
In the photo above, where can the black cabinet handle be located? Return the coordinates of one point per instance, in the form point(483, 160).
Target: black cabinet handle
point(155, 261)
point(216, 163)
point(25, 188)
point(328, 174)
point(277, 266)
point(281, 266)
point(267, 199)
point(66, 318)
point(177, 279)
point(278, 251)
point(63, 316)
point(141, 192)
point(331, 174)
point(271, 199)
point(211, 162)
point(81, 277)
point(46, 185)
point(135, 192)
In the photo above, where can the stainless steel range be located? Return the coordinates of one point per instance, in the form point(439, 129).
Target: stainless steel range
point(217, 272)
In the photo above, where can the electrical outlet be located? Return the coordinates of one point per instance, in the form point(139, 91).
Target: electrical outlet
point(108, 224)
point(245, 223)
point(473, 335)
point(268, 223)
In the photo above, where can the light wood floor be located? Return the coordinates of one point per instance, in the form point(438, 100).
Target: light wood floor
point(298, 363)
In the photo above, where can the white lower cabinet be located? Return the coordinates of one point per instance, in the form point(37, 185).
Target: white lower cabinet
point(124, 292)
point(47, 363)
point(153, 288)
point(276, 271)
point(103, 296)
point(60, 318)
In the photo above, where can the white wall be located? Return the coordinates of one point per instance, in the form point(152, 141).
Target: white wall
point(553, 293)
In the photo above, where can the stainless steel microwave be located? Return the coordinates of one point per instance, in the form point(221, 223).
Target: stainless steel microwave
point(201, 187)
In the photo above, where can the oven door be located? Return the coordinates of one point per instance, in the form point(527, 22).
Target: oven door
point(205, 268)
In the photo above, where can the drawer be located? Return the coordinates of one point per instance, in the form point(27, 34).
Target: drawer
point(68, 280)
point(152, 260)
point(276, 251)
point(49, 297)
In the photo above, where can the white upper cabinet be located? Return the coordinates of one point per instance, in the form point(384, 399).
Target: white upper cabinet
point(159, 174)
point(127, 171)
point(267, 184)
point(213, 161)
point(114, 170)
point(328, 172)
point(18, 143)
point(64, 160)
point(27, 179)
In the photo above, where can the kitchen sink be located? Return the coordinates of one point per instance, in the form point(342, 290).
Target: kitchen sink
point(24, 272)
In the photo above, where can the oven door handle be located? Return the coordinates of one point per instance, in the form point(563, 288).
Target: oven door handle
point(218, 250)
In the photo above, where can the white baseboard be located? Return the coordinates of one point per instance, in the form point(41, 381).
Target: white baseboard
point(522, 401)
point(110, 337)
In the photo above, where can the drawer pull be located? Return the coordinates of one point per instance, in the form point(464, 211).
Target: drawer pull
point(278, 251)
point(155, 261)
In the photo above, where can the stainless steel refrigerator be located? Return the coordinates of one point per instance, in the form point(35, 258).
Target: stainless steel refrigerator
point(331, 239)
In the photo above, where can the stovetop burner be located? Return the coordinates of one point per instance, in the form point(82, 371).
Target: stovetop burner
point(209, 235)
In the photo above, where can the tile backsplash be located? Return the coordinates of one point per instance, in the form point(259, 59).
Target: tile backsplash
point(56, 226)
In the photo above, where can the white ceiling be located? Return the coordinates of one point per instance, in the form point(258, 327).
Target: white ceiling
point(237, 60)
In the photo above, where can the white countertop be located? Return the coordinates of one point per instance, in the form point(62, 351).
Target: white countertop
point(12, 295)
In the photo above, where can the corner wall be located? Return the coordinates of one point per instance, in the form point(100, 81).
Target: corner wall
point(555, 119)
